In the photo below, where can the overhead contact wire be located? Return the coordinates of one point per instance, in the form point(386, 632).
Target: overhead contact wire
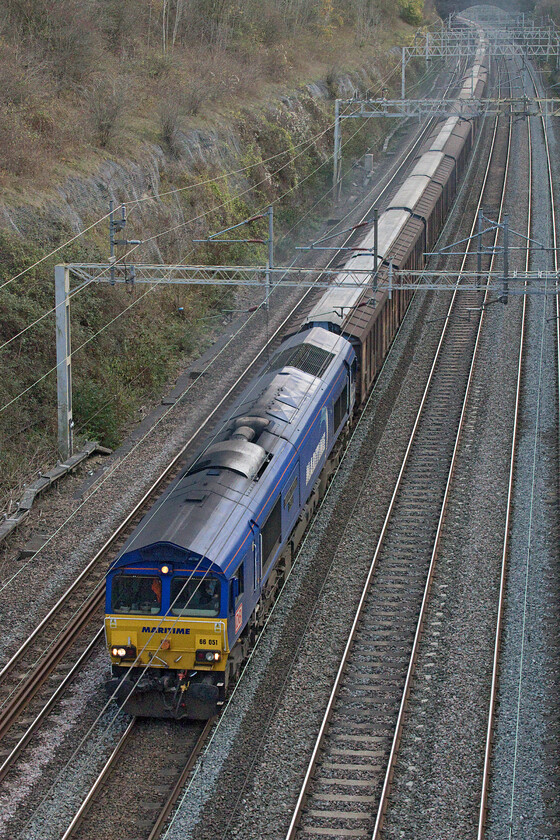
point(155, 285)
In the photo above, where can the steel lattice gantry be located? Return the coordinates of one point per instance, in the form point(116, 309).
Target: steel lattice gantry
point(387, 281)
point(520, 106)
point(507, 39)
point(538, 282)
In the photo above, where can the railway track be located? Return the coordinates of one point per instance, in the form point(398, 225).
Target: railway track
point(92, 797)
point(145, 807)
point(346, 786)
point(352, 745)
point(31, 675)
point(487, 766)
point(98, 787)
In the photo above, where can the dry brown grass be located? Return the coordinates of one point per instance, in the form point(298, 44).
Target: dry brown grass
point(74, 87)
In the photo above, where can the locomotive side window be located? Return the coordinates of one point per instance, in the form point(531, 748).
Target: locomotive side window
point(340, 407)
point(239, 576)
point(270, 535)
point(136, 594)
point(195, 596)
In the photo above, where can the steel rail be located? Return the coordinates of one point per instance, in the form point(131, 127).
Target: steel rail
point(111, 762)
point(505, 552)
point(24, 740)
point(406, 691)
point(30, 685)
point(180, 783)
point(44, 666)
point(84, 807)
point(338, 679)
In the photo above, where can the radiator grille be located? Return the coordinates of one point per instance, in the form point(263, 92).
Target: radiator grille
point(305, 357)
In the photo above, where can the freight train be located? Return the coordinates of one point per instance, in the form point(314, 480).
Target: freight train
point(190, 590)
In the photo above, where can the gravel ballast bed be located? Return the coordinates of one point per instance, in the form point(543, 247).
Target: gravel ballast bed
point(42, 580)
point(52, 764)
point(249, 783)
point(438, 778)
point(524, 798)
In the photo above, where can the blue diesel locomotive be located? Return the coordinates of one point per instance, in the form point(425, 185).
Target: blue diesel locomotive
point(190, 589)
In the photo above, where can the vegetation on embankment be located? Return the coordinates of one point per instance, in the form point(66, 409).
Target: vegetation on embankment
point(133, 102)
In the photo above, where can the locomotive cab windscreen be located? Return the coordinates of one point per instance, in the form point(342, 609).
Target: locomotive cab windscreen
point(196, 597)
point(184, 595)
point(136, 594)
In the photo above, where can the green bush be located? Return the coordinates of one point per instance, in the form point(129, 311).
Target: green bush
point(412, 11)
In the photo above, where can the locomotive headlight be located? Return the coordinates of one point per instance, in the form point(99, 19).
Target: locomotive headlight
point(124, 651)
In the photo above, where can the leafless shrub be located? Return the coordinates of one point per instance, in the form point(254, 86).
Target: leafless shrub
point(157, 66)
point(272, 24)
point(23, 76)
point(366, 23)
point(107, 104)
point(170, 113)
point(332, 80)
point(20, 152)
point(195, 93)
point(43, 123)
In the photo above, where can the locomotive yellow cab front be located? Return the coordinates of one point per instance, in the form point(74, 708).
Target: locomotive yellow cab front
point(167, 644)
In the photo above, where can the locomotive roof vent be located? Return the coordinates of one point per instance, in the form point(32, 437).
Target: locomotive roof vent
point(248, 427)
point(305, 357)
point(257, 424)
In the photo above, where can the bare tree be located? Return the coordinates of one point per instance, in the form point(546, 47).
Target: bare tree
point(178, 15)
point(164, 21)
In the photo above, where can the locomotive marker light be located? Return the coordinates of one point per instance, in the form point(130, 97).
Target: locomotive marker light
point(208, 656)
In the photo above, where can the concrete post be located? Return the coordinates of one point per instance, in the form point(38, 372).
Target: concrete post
point(403, 65)
point(270, 261)
point(63, 361)
point(336, 156)
point(506, 257)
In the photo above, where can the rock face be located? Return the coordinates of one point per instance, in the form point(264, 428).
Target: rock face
point(266, 149)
